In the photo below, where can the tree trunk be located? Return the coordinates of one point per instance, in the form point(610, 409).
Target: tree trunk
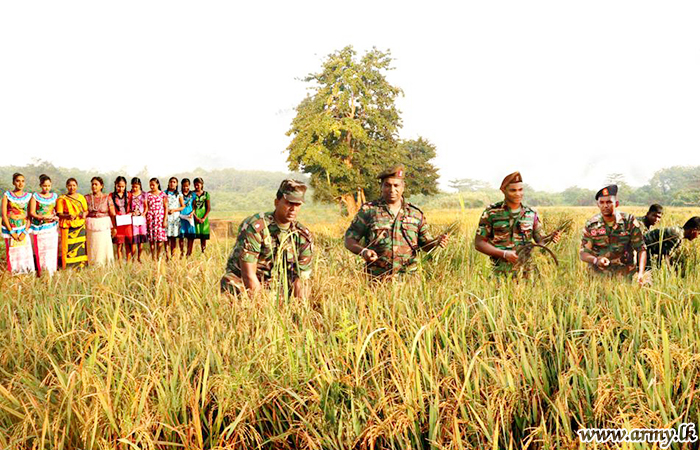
point(350, 204)
point(361, 197)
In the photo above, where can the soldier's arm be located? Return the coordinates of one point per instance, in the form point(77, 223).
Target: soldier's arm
point(637, 241)
point(249, 275)
point(585, 254)
point(358, 230)
point(481, 243)
point(252, 244)
point(485, 247)
point(537, 233)
point(305, 258)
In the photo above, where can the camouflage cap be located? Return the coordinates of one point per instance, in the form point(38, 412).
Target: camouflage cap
point(512, 178)
point(398, 171)
point(292, 190)
point(607, 190)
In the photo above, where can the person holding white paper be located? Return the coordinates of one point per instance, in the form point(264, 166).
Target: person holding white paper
point(175, 206)
point(122, 232)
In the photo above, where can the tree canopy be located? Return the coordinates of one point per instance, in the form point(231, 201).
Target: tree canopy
point(346, 131)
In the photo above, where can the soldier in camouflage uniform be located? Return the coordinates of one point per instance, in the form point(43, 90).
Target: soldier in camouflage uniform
point(612, 241)
point(667, 244)
point(651, 218)
point(272, 245)
point(504, 226)
point(392, 229)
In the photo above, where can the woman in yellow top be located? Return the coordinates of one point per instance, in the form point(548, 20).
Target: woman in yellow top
point(72, 209)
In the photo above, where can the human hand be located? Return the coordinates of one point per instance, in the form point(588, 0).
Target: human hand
point(442, 240)
point(603, 262)
point(556, 237)
point(511, 256)
point(369, 256)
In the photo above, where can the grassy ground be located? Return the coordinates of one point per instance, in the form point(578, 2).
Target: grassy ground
point(152, 356)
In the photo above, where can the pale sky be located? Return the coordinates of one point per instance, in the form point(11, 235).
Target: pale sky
point(565, 92)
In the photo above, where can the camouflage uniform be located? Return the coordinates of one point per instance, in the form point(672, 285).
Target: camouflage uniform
point(619, 243)
point(396, 240)
point(663, 243)
point(508, 231)
point(261, 240)
point(643, 227)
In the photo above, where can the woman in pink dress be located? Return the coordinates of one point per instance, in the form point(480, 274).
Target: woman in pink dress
point(157, 217)
point(139, 210)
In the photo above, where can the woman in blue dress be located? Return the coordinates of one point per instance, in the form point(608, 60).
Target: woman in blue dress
point(187, 230)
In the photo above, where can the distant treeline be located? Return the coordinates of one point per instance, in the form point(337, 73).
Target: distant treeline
point(249, 190)
point(231, 189)
point(673, 186)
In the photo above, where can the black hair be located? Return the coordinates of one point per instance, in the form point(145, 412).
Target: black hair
point(175, 191)
point(182, 183)
point(114, 194)
point(16, 175)
point(71, 179)
point(42, 178)
point(98, 179)
point(136, 180)
point(198, 180)
point(279, 194)
point(655, 208)
point(156, 180)
point(692, 224)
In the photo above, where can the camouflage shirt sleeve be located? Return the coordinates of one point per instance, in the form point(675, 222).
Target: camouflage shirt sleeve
point(251, 241)
point(424, 235)
point(305, 255)
point(636, 236)
point(484, 229)
point(587, 240)
point(537, 232)
point(359, 227)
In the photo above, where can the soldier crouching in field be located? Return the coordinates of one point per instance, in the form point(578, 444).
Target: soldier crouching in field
point(393, 230)
point(612, 241)
point(507, 225)
point(666, 244)
point(272, 245)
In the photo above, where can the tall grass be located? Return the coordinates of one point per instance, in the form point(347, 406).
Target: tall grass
point(152, 356)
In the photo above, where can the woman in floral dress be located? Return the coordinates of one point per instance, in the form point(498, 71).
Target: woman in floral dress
point(156, 217)
point(175, 205)
point(139, 209)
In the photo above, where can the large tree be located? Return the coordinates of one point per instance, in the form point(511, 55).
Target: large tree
point(345, 132)
point(422, 175)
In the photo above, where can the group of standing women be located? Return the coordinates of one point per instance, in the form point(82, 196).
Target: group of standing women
point(44, 231)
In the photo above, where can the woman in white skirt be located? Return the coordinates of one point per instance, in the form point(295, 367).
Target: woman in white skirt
point(99, 225)
point(15, 227)
point(175, 205)
point(44, 227)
